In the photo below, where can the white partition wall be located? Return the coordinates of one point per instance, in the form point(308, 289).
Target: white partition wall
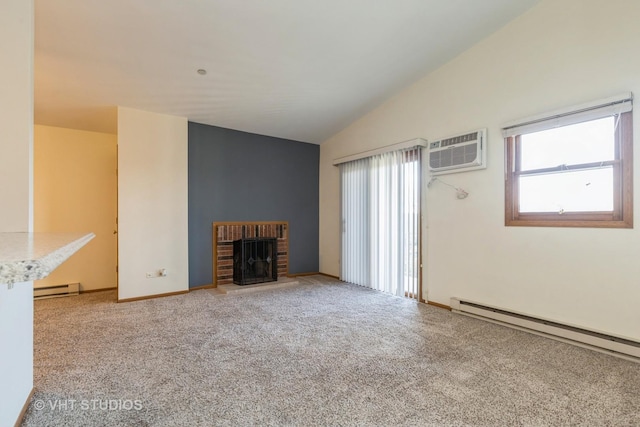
point(16, 349)
point(16, 143)
point(16, 114)
point(152, 204)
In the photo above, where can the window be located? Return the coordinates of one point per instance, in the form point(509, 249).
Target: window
point(571, 169)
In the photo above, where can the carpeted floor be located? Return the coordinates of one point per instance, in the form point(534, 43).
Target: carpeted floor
point(321, 353)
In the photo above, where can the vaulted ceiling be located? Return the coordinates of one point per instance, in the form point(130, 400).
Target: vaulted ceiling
point(295, 69)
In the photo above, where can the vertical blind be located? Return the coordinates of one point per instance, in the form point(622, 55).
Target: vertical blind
point(381, 221)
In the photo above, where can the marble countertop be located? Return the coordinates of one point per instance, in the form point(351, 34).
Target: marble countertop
point(31, 256)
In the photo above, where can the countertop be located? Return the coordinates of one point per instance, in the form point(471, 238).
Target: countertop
point(31, 256)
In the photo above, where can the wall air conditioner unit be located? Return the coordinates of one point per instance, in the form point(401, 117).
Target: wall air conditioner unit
point(459, 153)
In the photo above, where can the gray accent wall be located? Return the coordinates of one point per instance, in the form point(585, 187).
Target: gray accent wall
point(239, 176)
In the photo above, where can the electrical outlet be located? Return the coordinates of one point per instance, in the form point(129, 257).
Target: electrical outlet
point(158, 273)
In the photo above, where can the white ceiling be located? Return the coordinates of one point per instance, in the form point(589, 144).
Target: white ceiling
point(296, 69)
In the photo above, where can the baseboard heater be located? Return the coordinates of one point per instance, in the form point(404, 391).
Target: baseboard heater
point(617, 346)
point(56, 291)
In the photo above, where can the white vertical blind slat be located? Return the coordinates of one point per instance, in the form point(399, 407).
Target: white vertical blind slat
point(380, 218)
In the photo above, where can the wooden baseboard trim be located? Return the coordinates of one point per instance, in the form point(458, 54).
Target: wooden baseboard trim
point(329, 275)
point(168, 294)
point(89, 291)
point(197, 288)
point(24, 408)
point(313, 273)
point(437, 304)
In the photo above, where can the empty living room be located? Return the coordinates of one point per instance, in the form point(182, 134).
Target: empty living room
point(304, 213)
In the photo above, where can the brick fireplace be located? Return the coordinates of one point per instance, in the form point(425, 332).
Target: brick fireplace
point(225, 233)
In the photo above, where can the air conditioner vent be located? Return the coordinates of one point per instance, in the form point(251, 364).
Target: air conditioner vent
point(473, 136)
point(458, 153)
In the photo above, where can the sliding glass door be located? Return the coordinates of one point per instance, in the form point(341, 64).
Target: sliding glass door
point(381, 222)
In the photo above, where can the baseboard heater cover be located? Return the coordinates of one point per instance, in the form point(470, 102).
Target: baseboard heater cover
point(56, 291)
point(619, 346)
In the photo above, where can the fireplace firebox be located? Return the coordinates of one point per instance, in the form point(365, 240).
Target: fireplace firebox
point(255, 261)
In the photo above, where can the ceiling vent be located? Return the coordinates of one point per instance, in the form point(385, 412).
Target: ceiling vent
point(458, 153)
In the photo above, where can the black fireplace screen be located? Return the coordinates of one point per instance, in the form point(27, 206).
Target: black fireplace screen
point(255, 261)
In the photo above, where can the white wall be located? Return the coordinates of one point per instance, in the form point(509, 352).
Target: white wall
point(16, 143)
point(16, 350)
point(152, 203)
point(558, 54)
point(16, 114)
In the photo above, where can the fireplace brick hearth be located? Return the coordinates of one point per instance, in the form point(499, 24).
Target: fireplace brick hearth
point(224, 233)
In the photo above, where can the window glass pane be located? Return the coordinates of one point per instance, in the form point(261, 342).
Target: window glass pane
point(586, 142)
point(585, 190)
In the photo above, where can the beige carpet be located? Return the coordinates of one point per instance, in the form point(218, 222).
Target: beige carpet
point(321, 353)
